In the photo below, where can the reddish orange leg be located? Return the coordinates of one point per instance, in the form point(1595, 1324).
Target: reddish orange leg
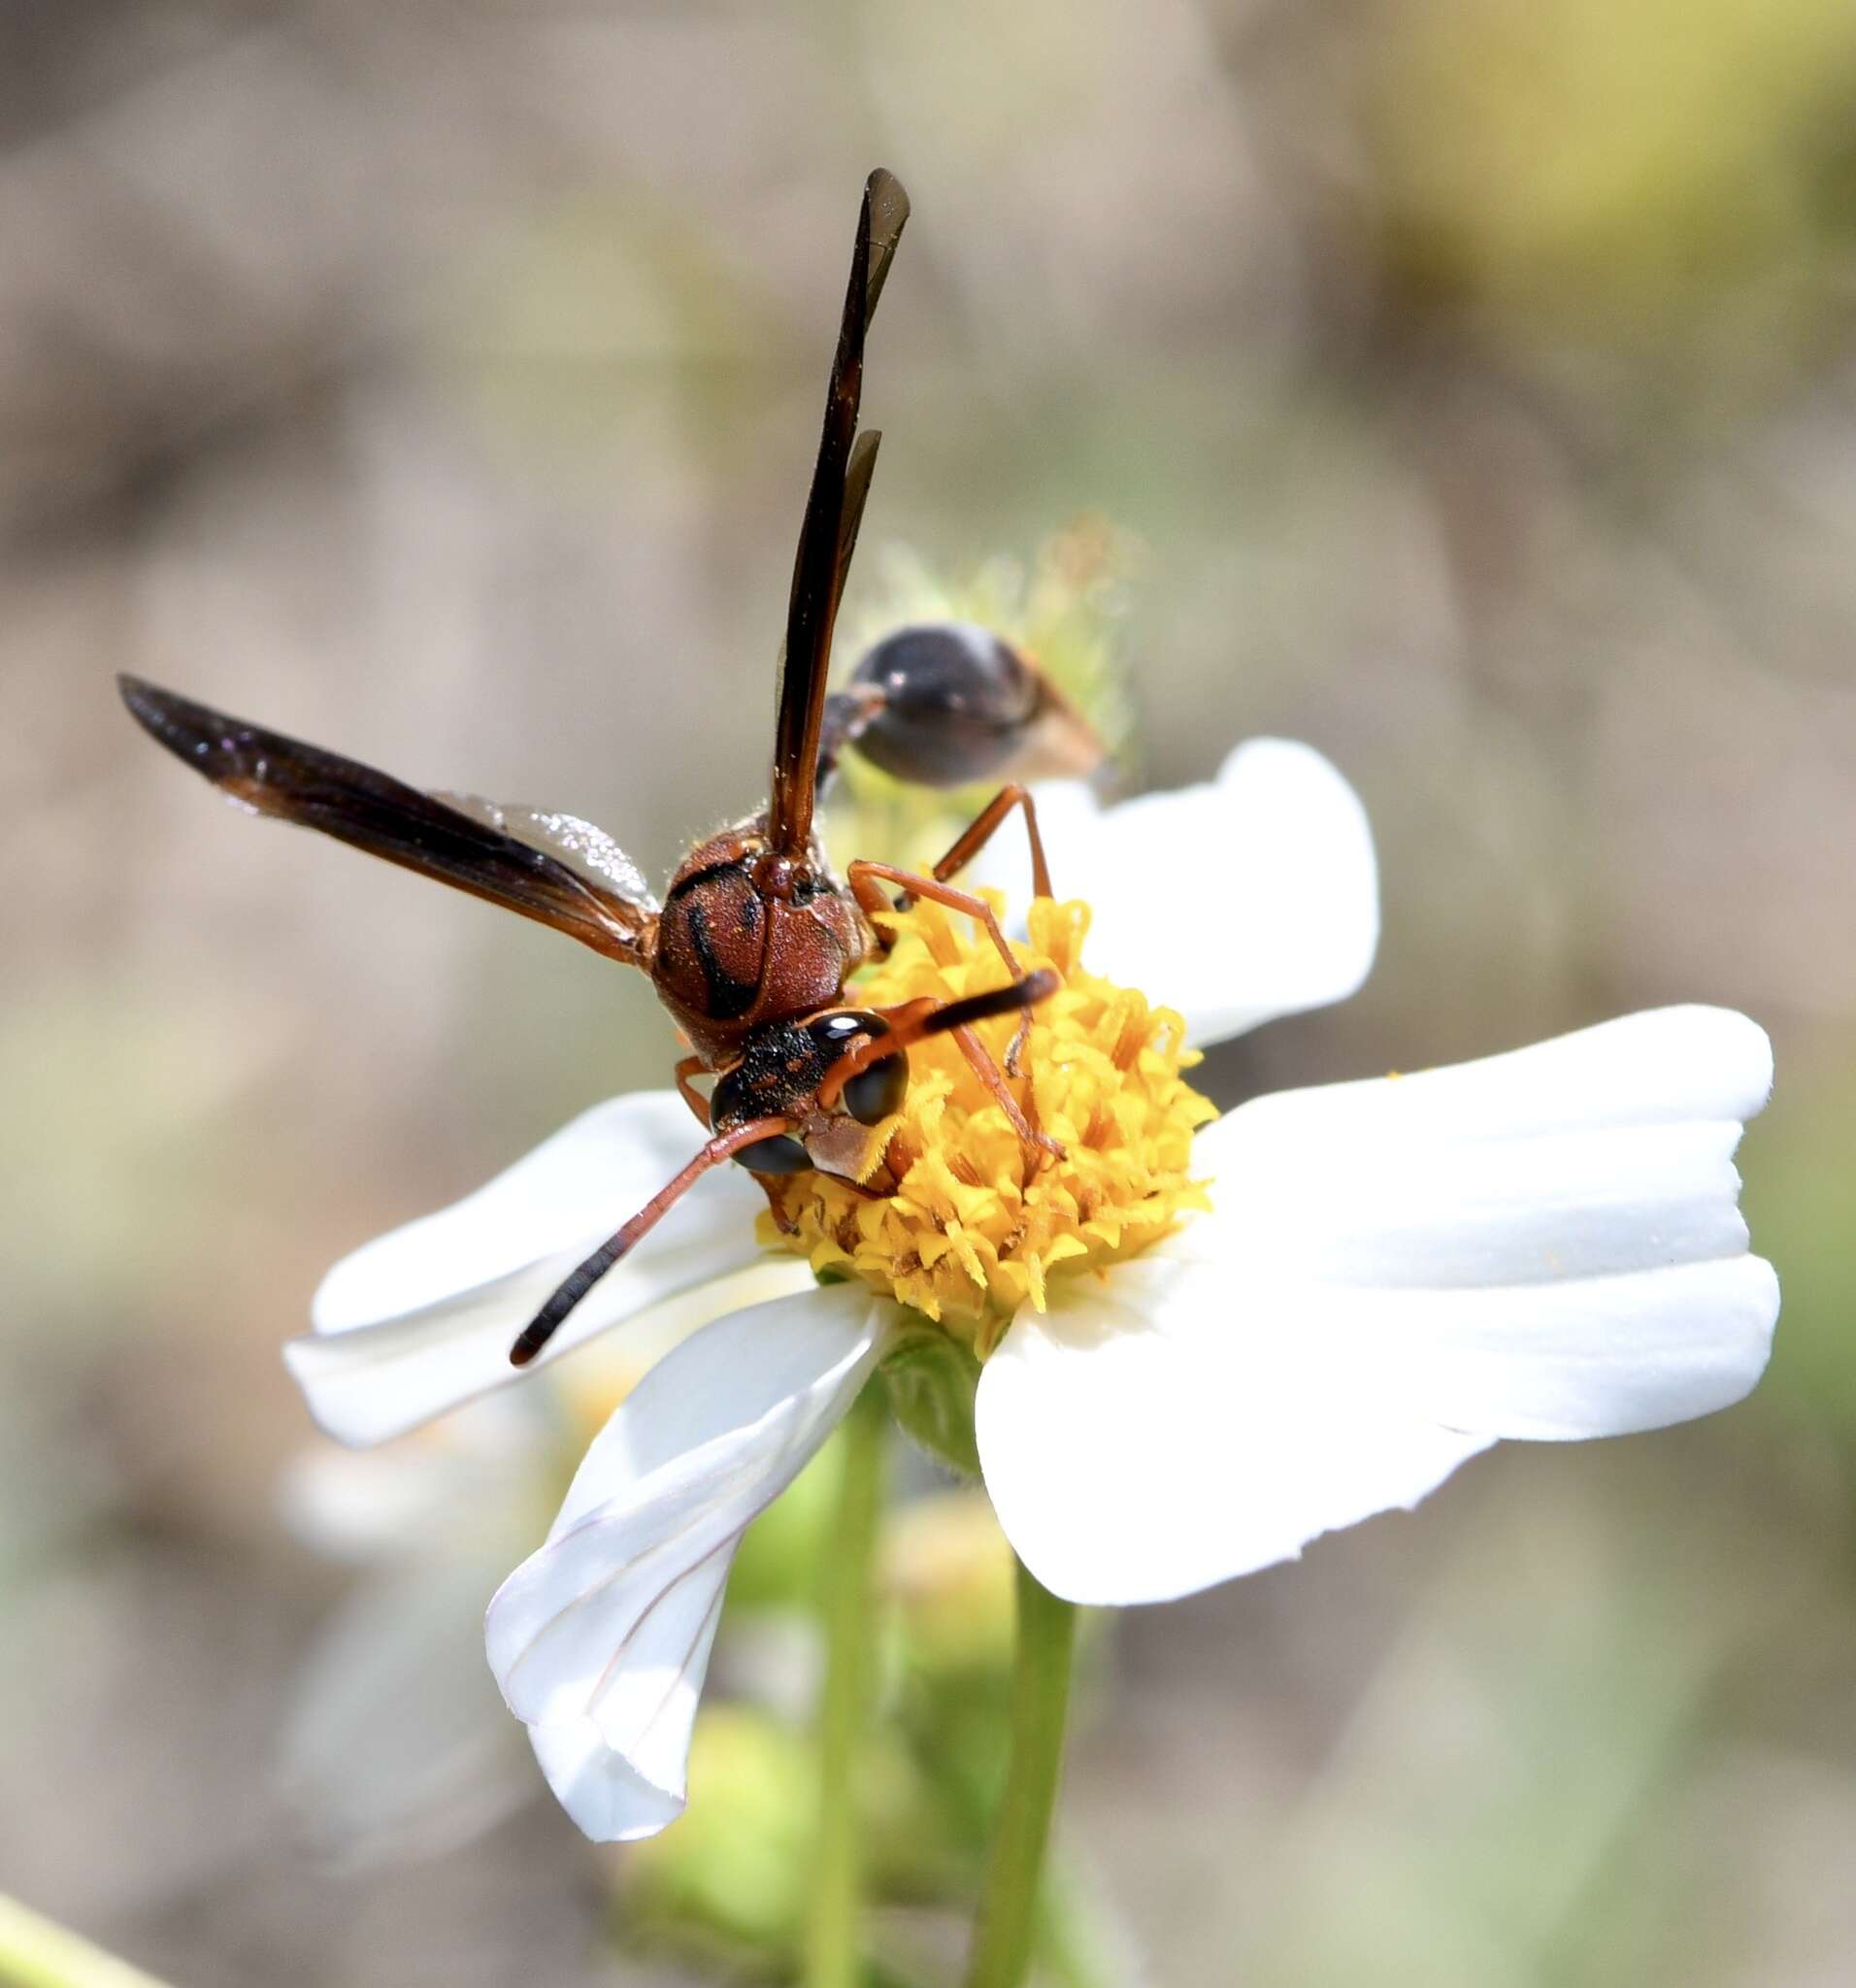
point(911, 1020)
point(985, 825)
point(1016, 1048)
point(693, 1065)
point(988, 1074)
point(866, 881)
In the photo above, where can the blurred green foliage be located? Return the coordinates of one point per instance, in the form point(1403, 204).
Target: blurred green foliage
point(1670, 177)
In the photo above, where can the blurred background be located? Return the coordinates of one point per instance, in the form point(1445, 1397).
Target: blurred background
point(1476, 383)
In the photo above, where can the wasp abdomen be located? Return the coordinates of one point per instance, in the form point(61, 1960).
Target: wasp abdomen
point(956, 702)
point(948, 703)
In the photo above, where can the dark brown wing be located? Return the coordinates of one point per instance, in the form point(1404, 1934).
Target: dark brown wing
point(840, 480)
point(863, 466)
point(586, 850)
point(386, 817)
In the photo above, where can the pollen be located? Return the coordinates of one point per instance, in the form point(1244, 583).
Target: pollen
point(962, 1220)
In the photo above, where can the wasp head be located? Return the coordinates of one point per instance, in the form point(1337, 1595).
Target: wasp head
point(780, 1070)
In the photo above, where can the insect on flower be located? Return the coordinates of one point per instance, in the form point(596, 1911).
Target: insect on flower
point(1176, 1347)
point(756, 939)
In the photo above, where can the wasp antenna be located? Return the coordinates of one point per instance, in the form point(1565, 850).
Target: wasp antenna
point(573, 1287)
point(1025, 993)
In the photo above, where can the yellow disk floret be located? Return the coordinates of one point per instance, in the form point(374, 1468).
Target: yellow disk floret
point(969, 1223)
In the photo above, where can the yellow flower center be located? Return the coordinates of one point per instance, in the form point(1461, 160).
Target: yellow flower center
point(973, 1224)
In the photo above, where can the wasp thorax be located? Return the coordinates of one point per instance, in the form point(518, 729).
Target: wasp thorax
point(711, 939)
point(781, 1066)
point(745, 934)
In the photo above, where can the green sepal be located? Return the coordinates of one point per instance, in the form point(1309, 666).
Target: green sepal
point(932, 1380)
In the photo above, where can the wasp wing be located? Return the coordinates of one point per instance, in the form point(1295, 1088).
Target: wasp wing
point(857, 475)
point(596, 897)
point(580, 845)
point(834, 509)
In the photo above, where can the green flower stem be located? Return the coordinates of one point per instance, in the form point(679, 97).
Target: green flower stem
point(834, 1938)
point(1009, 1906)
point(36, 1953)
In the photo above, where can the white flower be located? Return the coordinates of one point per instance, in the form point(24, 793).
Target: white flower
point(1251, 896)
point(1395, 1274)
point(394, 1742)
point(1385, 1278)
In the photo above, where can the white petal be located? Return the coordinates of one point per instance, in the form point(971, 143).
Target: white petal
point(380, 1380)
point(1667, 1066)
point(610, 1623)
point(1452, 1211)
point(1250, 896)
point(1396, 1272)
point(1596, 1356)
point(422, 1319)
point(610, 1799)
point(1545, 1243)
point(1150, 1437)
point(573, 1189)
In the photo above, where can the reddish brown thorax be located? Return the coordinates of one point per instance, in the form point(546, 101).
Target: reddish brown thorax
point(748, 936)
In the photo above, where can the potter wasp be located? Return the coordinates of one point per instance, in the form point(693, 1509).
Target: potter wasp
point(756, 939)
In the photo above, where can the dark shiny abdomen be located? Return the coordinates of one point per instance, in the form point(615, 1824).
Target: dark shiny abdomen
point(958, 700)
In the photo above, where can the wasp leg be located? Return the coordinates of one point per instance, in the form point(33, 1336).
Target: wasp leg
point(694, 1066)
point(989, 1073)
point(874, 905)
point(911, 1020)
point(866, 881)
point(986, 824)
point(1016, 1048)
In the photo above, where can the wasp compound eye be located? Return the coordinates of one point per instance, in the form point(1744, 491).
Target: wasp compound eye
point(876, 1091)
point(957, 703)
point(779, 1154)
point(872, 1094)
point(836, 1031)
